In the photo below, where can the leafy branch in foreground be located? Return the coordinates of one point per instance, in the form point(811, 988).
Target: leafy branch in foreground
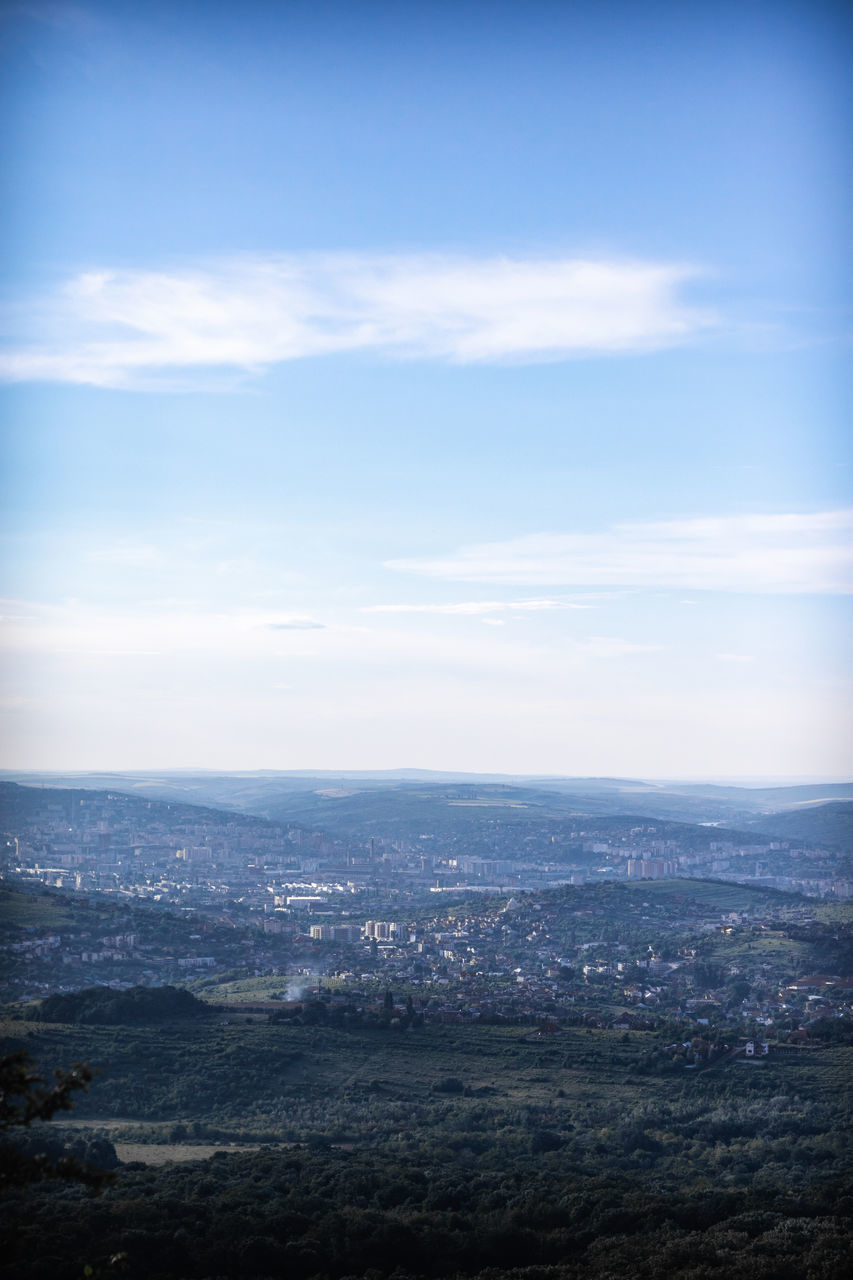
point(24, 1097)
point(22, 1101)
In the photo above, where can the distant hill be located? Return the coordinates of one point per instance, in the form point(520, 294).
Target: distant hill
point(829, 824)
point(304, 797)
point(770, 798)
point(328, 799)
point(20, 803)
point(477, 813)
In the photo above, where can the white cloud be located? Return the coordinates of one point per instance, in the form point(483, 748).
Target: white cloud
point(295, 624)
point(474, 608)
point(783, 553)
point(129, 328)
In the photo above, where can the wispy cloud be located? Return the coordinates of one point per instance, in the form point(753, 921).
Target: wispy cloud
point(783, 553)
point(74, 628)
point(118, 328)
point(475, 608)
point(295, 624)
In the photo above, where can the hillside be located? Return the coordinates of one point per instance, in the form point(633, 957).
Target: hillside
point(826, 824)
point(471, 812)
point(406, 810)
point(285, 795)
point(21, 804)
point(772, 798)
point(391, 811)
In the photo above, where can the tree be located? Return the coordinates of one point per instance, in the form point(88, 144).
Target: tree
point(25, 1097)
point(21, 1101)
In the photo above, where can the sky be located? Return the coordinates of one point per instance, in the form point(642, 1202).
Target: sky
point(423, 385)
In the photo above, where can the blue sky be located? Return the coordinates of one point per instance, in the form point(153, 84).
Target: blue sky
point(426, 385)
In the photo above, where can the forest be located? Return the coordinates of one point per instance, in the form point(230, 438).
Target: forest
point(425, 1151)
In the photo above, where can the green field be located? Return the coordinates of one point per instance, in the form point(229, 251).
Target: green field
point(241, 989)
point(716, 895)
point(33, 911)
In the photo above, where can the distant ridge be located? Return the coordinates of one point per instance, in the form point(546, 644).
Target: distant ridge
point(306, 797)
point(828, 824)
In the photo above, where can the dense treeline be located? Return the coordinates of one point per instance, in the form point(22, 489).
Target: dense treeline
point(106, 1006)
point(53, 1146)
point(378, 1213)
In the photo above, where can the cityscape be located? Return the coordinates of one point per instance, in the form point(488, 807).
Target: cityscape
point(194, 894)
